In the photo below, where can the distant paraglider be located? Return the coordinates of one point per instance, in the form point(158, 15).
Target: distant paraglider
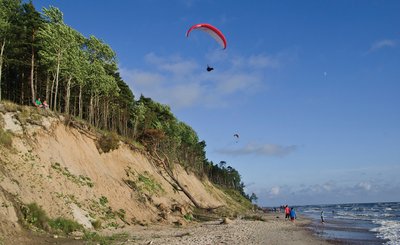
point(236, 137)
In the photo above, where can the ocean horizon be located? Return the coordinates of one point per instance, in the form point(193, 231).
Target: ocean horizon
point(355, 223)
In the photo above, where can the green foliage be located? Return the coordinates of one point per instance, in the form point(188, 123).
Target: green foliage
point(96, 224)
point(188, 217)
point(254, 218)
point(10, 107)
point(109, 142)
point(149, 184)
point(65, 225)
point(5, 138)
point(103, 200)
point(79, 180)
point(121, 214)
point(104, 240)
point(35, 215)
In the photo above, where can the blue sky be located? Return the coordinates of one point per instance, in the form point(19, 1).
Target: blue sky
point(311, 87)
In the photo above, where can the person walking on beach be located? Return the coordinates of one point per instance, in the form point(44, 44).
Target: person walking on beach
point(292, 215)
point(287, 212)
point(322, 217)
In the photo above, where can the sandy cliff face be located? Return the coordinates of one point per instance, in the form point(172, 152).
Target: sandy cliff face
point(60, 168)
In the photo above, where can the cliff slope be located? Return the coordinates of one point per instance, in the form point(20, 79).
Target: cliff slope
point(60, 168)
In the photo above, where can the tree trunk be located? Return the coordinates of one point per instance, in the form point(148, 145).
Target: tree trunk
point(68, 95)
point(32, 75)
point(51, 92)
point(57, 76)
point(80, 101)
point(91, 110)
point(1, 62)
point(171, 175)
point(47, 87)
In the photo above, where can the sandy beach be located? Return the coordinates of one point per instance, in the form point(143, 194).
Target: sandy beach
point(239, 231)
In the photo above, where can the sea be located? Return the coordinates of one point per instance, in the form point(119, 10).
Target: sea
point(356, 223)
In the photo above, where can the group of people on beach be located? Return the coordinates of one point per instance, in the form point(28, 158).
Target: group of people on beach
point(290, 213)
point(39, 104)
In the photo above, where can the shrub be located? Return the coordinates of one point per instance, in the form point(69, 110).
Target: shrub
point(96, 224)
point(5, 138)
point(108, 142)
point(65, 225)
point(10, 106)
point(35, 215)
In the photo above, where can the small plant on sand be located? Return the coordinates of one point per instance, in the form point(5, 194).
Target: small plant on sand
point(188, 217)
point(80, 180)
point(103, 200)
point(65, 225)
point(253, 218)
point(150, 184)
point(104, 240)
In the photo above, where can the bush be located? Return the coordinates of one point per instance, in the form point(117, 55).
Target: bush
point(65, 225)
point(35, 215)
point(108, 142)
point(5, 138)
point(96, 224)
point(10, 106)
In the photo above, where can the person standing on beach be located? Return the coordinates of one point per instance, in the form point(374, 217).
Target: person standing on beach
point(292, 215)
point(322, 217)
point(287, 212)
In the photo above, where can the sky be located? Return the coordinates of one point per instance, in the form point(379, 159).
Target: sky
point(312, 88)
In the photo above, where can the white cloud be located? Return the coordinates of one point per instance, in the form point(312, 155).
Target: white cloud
point(382, 44)
point(265, 150)
point(274, 191)
point(365, 186)
point(182, 82)
point(263, 61)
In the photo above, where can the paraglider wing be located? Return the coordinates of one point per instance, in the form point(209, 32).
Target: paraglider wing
point(236, 135)
point(211, 30)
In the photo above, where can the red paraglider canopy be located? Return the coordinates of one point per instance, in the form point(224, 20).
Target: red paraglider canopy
point(212, 30)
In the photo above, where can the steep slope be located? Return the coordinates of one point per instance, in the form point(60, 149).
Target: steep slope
point(60, 168)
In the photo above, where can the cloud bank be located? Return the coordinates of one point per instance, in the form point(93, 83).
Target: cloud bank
point(262, 150)
point(329, 192)
point(181, 82)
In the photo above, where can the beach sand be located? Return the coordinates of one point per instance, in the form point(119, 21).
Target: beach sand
point(241, 231)
point(274, 230)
